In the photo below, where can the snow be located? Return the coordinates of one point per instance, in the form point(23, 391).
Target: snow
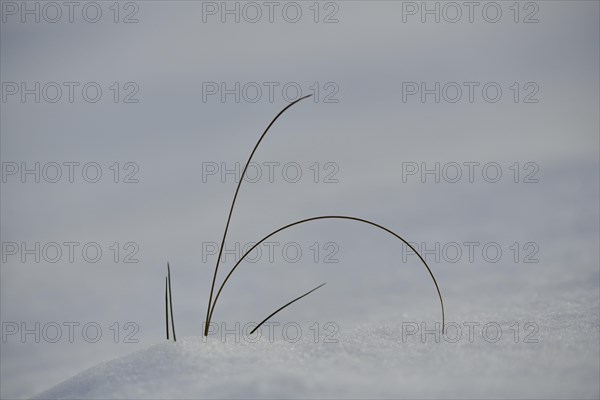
point(366, 362)
point(369, 134)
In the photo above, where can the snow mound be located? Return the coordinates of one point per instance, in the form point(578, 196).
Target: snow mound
point(365, 362)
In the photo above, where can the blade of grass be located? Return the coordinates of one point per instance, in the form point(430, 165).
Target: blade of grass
point(212, 287)
point(171, 302)
point(166, 307)
point(284, 306)
point(331, 217)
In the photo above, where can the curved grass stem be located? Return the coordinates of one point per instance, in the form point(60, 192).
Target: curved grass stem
point(212, 287)
point(329, 217)
point(284, 306)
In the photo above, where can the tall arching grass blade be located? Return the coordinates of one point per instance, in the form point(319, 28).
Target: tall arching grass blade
point(212, 287)
point(332, 217)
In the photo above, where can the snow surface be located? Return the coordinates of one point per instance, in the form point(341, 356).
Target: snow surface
point(370, 133)
point(366, 362)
